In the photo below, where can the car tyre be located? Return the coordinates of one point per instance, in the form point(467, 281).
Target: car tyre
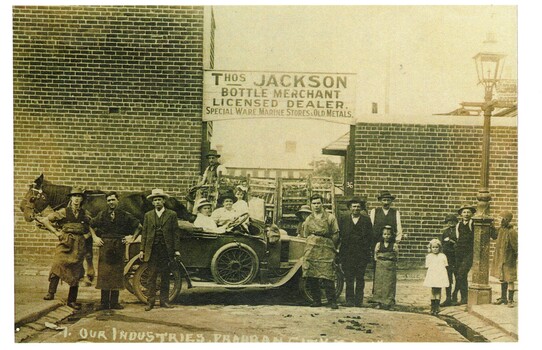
point(140, 283)
point(234, 264)
point(306, 294)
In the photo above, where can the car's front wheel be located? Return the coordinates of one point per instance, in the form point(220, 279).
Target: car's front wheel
point(234, 263)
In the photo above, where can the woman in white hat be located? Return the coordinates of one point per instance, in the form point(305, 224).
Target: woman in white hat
point(204, 219)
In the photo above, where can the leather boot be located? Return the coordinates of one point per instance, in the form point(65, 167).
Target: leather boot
point(502, 299)
point(448, 301)
point(150, 304)
point(72, 297)
point(330, 294)
point(511, 302)
point(53, 285)
point(104, 300)
point(359, 300)
point(115, 301)
point(316, 293)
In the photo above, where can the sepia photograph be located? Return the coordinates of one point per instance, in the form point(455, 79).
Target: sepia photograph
point(244, 173)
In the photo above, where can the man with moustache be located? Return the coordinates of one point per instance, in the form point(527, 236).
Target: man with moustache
point(112, 225)
point(159, 245)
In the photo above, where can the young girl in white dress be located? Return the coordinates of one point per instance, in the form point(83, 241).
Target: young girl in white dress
point(437, 276)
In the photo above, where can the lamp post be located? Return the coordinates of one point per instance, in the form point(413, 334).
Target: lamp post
point(489, 68)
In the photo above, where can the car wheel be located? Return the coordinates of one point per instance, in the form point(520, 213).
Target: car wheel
point(141, 284)
point(306, 293)
point(129, 277)
point(234, 263)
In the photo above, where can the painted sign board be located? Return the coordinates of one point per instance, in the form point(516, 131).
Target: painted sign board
point(248, 94)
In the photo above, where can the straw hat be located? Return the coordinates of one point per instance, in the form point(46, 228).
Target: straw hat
point(157, 192)
point(202, 202)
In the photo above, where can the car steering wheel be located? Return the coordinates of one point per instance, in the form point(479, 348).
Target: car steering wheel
point(238, 222)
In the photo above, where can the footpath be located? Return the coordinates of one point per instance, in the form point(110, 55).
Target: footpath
point(493, 323)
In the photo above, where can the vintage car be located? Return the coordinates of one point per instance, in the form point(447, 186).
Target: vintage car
point(238, 259)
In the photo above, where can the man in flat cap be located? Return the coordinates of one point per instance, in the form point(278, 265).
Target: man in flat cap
point(505, 259)
point(159, 245)
point(356, 234)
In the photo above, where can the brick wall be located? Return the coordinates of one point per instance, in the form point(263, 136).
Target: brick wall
point(432, 170)
point(105, 97)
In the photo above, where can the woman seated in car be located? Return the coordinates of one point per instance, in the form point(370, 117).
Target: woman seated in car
point(241, 206)
point(226, 214)
point(204, 219)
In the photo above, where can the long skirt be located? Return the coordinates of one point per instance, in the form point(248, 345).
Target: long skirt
point(68, 259)
point(385, 282)
point(111, 265)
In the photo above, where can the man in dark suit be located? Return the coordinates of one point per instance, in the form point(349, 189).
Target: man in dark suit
point(159, 245)
point(356, 233)
point(464, 249)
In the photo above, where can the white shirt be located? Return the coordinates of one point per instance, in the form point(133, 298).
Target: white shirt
point(160, 212)
point(240, 207)
point(220, 169)
point(222, 215)
point(208, 224)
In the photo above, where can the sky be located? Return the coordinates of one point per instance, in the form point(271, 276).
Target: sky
point(429, 50)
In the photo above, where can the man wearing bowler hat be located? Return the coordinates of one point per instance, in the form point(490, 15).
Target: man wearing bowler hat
point(159, 245)
point(386, 215)
point(356, 234)
point(464, 249)
point(73, 221)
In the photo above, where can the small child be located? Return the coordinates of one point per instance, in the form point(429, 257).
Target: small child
point(385, 279)
point(437, 275)
point(505, 259)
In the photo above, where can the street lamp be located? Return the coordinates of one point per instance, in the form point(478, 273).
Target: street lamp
point(489, 67)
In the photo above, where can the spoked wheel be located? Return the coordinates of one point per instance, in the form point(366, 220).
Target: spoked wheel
point(234, 263)
point(306, 293)
point(129, 277)
point(141, 284)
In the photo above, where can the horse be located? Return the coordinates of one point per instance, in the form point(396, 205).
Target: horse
point(44, 197)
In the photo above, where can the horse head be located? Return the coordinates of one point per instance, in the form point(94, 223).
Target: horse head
point(35, 200)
